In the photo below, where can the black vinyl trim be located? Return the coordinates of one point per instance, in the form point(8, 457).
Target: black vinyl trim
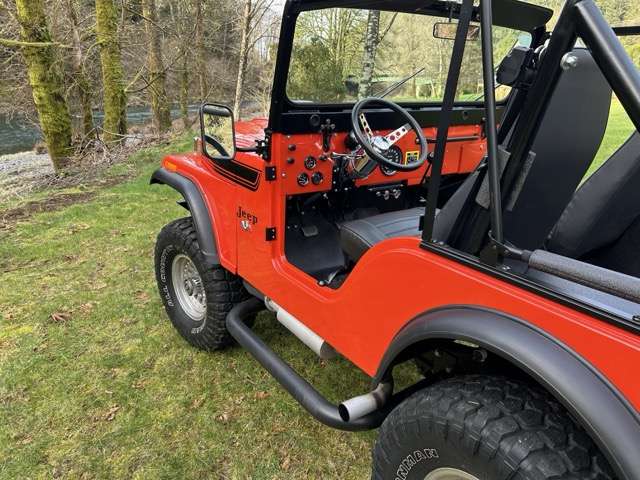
point(599, 407)
point(238, 173)
point(197, 207)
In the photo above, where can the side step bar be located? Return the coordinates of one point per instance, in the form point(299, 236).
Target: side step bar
point(307, 396)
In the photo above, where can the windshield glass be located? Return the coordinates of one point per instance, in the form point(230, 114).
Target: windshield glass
point(341, 55)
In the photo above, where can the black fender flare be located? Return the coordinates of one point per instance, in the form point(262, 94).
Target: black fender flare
point(197, 206)
point(610, 419)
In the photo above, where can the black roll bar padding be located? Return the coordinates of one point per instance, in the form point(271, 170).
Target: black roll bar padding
point(448, 102)
point(598, 278)
point(307, 396)
point(491, 125)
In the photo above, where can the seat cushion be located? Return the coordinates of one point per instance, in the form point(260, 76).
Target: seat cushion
point(603, 208)
point(358, 236)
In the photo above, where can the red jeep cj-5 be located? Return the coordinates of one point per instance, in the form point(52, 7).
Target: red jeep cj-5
point(387, 218)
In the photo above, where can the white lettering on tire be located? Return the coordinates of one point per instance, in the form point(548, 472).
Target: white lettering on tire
point(413, 459)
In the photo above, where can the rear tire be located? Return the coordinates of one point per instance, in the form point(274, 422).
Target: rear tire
point(197, 294)
point(484, 428)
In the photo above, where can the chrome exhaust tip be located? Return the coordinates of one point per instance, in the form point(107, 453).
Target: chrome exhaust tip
point(363, 405)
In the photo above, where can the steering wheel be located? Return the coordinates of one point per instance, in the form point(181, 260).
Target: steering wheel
point(376, 146)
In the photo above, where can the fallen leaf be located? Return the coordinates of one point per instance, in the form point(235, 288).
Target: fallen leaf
point(286, 463)
point(262, 395)
point(86, 307)
point(74, 228)
point(224, 418)
point(142, 296)
point(60, 317)
point(139, 385)
point(111, 413)
point(197, 403)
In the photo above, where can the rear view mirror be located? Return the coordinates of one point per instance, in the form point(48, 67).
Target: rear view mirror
point(448, 30)
point(218, 134)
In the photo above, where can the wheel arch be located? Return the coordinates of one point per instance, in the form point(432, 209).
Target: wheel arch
point(196, 205)
point(592, 400)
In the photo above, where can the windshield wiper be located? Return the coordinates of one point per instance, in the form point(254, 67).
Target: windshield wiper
point(396, 86)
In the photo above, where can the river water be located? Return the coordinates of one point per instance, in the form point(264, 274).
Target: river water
point(16, 136)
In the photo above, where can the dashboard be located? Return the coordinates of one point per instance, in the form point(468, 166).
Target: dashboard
point(308, 168)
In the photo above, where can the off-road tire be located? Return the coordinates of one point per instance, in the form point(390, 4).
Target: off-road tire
point(223, 289)
point(490, 427)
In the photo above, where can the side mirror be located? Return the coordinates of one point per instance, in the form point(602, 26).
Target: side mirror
point(217, 130)
point(448, 30)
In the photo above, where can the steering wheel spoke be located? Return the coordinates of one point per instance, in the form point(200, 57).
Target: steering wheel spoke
point(394, 137)
point(365, 125)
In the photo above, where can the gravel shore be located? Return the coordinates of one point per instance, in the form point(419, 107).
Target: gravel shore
point(19, 171)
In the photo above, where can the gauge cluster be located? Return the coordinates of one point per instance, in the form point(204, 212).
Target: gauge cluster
point(396, 156)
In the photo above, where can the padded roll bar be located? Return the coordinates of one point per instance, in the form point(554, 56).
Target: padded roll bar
point(608, 281)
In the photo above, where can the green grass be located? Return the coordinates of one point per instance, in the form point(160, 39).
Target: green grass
point(111, 390)
point(619, 129)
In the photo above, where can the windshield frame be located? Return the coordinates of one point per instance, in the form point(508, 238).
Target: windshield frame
point(282, 105)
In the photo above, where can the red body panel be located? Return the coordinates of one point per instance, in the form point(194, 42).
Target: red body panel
point(361, 318)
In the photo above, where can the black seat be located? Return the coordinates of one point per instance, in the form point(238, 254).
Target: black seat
point(358, 236)
point(565, 146)
point(601, 224)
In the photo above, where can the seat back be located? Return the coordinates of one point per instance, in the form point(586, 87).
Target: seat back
point(603, 208)
point(565, 146)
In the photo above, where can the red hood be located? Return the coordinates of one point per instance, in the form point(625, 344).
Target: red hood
point(248, 131)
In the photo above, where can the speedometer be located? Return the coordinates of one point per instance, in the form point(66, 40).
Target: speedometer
point(394, 154)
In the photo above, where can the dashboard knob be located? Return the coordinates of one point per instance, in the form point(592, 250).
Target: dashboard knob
point(303, 179)
point(317, 178)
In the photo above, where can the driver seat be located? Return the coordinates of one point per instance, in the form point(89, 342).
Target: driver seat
point(358, 236)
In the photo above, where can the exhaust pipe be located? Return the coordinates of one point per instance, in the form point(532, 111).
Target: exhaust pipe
point(304, 334)
point(358, 407)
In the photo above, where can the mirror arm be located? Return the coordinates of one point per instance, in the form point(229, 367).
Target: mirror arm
point(248, 149)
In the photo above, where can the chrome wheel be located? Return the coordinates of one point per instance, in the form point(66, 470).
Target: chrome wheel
point(450, 474)
point(189, 288)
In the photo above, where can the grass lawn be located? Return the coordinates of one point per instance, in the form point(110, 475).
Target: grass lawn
point(619, 129)
point(105, 388)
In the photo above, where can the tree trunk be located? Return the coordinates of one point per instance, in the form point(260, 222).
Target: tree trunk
point(200, 52)
point(83, 83)
point(244, 54)
point(372, 40)
point(157, 75)
point(184, 91)
point(115, 97)
point(46, 81)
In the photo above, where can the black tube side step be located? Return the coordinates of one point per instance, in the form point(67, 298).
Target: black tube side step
point(307, 396)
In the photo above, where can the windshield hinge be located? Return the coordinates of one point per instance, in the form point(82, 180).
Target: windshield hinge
point(270, 174)
point(263, 147)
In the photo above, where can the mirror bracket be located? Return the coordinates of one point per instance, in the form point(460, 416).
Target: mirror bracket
point(263, 147)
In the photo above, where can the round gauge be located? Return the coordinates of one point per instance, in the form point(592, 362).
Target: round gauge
point(395, 155)
point(310, 163)
point(303, 179)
